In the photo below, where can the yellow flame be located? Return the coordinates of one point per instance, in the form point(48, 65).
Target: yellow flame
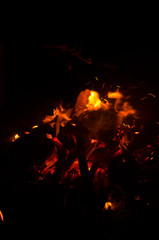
point(94, 102)
point(16, 136)
point(35, 126)
point(137, 133)
point(107, 205)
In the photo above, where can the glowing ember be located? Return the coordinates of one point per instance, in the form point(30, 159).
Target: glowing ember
point(50, 164)
point(94, 140)
point(74, 170)
point(26, 132)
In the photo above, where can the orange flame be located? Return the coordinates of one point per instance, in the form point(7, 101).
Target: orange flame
point(55, 140)
point(115, 95)
point(107, 205)
point(16, 136)
point(1, 216)
point(63, 116)
point(126, 110)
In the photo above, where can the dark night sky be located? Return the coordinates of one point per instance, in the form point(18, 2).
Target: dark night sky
point(31, 73)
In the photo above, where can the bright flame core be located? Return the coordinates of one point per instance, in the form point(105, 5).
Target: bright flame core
point(107, 205)
point(94, 102)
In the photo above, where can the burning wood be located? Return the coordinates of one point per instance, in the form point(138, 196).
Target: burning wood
point(87, 139)
point(98, 117)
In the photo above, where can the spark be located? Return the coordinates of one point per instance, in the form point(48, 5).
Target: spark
point(103, 85)
point(126, 125)
point(151, 94)
point(138, 198)
point(143, 98)
point(26, 132)
point(35, 126)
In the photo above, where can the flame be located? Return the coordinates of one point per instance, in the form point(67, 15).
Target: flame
point(115, 95)
point(107, 205)
point(1, 216)
point(15, 137)
point(126, 110)
point(50, 163)
point(123, 110)
point(94, 140)
point(55, 140)
point(27, 132)
point(49, 118)
point(63, 117)
point(137, 133)
point(87, 101)
point(35, 126)
point(94, 102)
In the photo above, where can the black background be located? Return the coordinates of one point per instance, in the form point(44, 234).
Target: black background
point(34, 78)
